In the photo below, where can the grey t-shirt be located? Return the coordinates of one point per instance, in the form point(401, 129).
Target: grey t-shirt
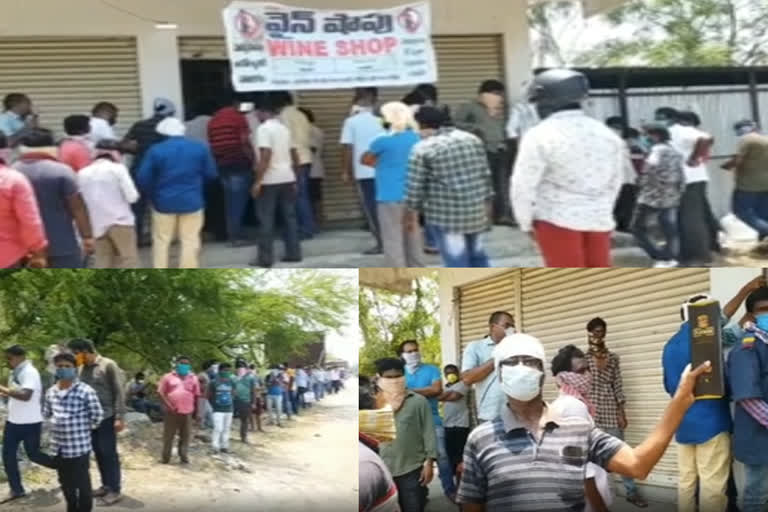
point(377, 489)
point(456, 413)
point(54, 183)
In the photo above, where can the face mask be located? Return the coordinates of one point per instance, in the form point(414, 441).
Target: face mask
point(393, 391)
point(412, 359)
point(452, 378)
point(225, 375)
point(182, 370)
point(241, 372)
point(762, 322)
point(521, 382)
point(66, 373)
point(509, 331)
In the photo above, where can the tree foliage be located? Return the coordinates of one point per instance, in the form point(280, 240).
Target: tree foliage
point(144, 318)
point(387, 319)
point(684, 33)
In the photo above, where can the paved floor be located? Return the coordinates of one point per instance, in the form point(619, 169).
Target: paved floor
point(507, 247)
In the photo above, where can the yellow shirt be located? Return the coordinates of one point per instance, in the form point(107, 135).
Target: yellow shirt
point(301, 133)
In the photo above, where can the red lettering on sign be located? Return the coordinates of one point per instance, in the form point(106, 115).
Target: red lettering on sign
point(365, 47)
point(279, 48)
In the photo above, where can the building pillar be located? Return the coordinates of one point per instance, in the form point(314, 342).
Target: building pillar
point(159, 69)
point(517, 52)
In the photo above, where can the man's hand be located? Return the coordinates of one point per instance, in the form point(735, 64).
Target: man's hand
point(256, 190)
point(411, 222)
point(89, 246)
point(4, 391)
point(756, 283)
point(37, 261)
point(687, 385)
point(119, 425)
point(426, 474)
point(622, 420)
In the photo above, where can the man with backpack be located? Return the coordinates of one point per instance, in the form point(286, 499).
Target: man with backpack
point(221, 394)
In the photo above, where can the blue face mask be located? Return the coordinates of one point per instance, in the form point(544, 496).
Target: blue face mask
point(182, 369)
point(66, 373)
point(762, 322)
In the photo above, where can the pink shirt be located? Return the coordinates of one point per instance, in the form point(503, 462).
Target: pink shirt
point(181, 393)
point(75, 153)
point(21, 228)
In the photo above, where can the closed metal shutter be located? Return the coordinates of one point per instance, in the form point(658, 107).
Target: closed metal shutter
point(65, 76)
point(463, 62)
point(641, 308)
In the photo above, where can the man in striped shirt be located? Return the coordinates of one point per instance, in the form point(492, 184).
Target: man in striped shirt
point(74, 409)
point(534, 458)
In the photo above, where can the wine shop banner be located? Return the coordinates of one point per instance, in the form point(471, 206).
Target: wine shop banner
point(273, 47)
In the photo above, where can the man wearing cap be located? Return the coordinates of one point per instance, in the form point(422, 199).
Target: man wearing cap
point(568, 174)
point(484, 117)
point(750, 169)
point(142, 136)
point(172, 176)
point(533, 458)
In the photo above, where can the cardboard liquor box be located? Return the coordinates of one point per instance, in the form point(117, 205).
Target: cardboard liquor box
point(706, 345)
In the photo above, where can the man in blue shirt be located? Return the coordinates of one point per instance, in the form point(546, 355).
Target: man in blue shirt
point(747, 372)
point(172, 175)
point(17, 118)
point(426, 380)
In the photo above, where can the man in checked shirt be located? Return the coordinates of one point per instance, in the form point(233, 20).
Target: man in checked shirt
point(608, 394)
point(74, 410)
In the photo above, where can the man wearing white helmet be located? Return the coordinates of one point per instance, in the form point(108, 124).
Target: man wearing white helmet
point(532, 458)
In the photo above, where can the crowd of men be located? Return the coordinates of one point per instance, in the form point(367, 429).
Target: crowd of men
point(85, 399)
point(524, 454)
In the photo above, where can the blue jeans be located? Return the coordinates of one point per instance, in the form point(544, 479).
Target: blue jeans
point(236, 182)
point(444, 463)
point(275, 407)
point(752, 209)
point(304, 213)
point(367, 190)
point(13, 436)
point(287, 405)
point(104, 440)
point(430, 238)
point(461, 250)
point(667, 218)
point(629, 483)
point(755, 488)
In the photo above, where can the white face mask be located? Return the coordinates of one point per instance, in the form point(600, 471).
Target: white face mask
point(510, 331)
point(521, 382)
point(412, 359)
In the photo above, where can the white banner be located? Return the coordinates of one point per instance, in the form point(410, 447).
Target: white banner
point(277, 47)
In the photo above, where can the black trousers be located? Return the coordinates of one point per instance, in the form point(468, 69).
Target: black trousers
point(243, 412)
point(411, 494)
point(277, 202)
point(455, 439)
point(698, 226)
point(624, 210)
point(75, 481)
point(500, 163)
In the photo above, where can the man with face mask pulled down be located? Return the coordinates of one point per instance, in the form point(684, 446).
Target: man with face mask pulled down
point(568, 174)
point(533, 458)
point(411, 455)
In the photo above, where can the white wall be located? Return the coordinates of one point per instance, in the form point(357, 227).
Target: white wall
point(726, 282)
point(159, 60)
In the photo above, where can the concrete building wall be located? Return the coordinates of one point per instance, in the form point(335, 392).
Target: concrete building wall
point(158, 51)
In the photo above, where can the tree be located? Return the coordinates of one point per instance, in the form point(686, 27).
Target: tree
point(144, 318)
point(387, 319)
point(684, 33)
point(555, 30)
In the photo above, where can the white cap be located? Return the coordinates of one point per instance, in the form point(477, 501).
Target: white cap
point(171, 127)
point(518, 345)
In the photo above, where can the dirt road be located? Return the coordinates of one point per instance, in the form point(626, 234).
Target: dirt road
point(311, 465)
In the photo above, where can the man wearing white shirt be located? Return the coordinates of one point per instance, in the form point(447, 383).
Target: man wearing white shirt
point(359, 130)
point(568, 174)
point(25, 419)
point(103, 120)
point(109, 192)
point(698, 226)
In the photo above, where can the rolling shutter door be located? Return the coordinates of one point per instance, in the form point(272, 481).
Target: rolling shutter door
point(65, 76)
point(463, 62)
point(476, 303)
point(641, 308)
